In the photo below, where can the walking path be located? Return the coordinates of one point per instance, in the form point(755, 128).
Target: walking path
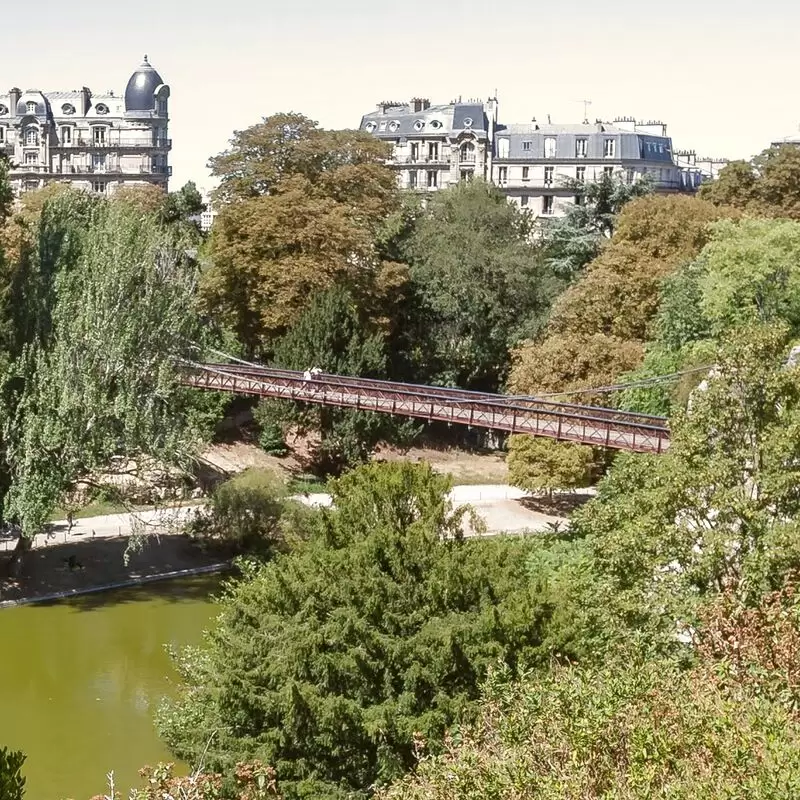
point(66, 561)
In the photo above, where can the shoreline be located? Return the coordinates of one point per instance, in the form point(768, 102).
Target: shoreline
point(66, 594)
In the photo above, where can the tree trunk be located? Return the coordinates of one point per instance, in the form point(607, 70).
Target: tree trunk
point(18, 556)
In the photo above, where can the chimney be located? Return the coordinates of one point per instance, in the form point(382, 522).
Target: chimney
point(418, 104)
point(86, 97)
point(600, 127)
point(14, 96)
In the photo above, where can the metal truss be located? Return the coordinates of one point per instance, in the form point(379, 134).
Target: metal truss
point(570, 422)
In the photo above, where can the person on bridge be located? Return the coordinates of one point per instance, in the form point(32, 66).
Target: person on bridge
point(307, 375)
point(316, 372)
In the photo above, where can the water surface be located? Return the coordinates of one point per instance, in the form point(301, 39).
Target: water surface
point(80, 680)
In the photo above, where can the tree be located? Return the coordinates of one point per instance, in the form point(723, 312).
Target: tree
point(481, 283)
point(625, 730)
point(746, 274)
point(333, 334)
point(718, 512)
point(768, 186)
point(12, 784)
point(574, 240)
point(331, 659)
point(599, 325)
point(302, 208)
point(536, 464)
point(102, 311)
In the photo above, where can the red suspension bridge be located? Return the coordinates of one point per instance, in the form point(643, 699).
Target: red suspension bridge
point(569, 422)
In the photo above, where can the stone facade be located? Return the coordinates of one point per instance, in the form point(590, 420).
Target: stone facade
point(535, 164)
point(95, 142)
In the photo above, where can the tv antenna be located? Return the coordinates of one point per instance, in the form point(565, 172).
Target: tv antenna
point(586, 104)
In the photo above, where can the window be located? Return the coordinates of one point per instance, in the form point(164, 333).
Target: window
point(161, 107)
point(578, 199)
point(523, 201)
point(526, 146)
point(467, 153)
point(502, 175)
point(412, 179)
point(548, 176)
point(68, 109)
point(98, 162)
point(31, 158)
point(31, 136)
point(526, 173)
point(549, 146)
point(99, 187)
point(101, 108)
point(502, 148)
point(2, 135)
point(547, 204)
point(393, 125)
point(629, 175)
point(467, 174)
point(370, 126)
point(609, 148)
point(433, 178)
point(581, 148)
point(436, 124)
point(580, 174)
point(433, 151)
point(66, 135)
point(608, 172)
point(467, 122)
point(30, 107)
point(3, 110)
point(99, 135)
point(419, 125)
point(415, 151)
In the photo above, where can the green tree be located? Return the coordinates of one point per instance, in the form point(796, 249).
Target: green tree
point(102, 310)
point(481, 283)
point(331, 659)
point(334, 335)
point(544, 464)
point(574, 240)
point(627, 730)
point(717, 512)
point(12, 784)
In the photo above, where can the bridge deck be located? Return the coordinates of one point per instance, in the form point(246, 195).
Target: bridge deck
point(572, 422)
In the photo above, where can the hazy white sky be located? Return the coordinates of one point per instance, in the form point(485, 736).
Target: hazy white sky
point(722, 75)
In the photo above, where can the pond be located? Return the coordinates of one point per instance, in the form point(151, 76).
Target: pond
point(81, 679)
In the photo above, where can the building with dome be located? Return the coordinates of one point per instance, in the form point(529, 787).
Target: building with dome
point(98, 142)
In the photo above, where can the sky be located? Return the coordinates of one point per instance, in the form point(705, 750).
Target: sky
point(722, 75)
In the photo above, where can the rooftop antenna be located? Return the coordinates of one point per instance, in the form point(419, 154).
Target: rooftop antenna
point(586, 104)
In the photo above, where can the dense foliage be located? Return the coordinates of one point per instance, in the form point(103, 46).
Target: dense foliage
point(328, 661)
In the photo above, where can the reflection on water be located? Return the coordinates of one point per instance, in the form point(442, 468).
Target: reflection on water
point(80, 680)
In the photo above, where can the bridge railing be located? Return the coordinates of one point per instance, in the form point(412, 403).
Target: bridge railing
point(564, 421)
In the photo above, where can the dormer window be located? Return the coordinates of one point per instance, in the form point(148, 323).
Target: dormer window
point(101, 108)
point(68, 109)
point(30, 107)
point(31, 136)
point(436, 124)
point(394, 125)
point(419, 125)
point(467, 122)
point(370, 126)
point(3, 110)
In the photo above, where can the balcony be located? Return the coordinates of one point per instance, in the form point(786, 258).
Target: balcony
point(157, 169)
point(105, 144)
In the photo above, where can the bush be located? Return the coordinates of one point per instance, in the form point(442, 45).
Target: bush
point(245, 514)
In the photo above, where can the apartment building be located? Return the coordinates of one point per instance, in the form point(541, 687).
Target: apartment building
point(94, 141)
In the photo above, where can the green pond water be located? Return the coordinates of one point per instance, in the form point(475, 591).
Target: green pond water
point(80, 681)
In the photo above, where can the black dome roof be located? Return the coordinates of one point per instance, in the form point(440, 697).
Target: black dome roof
point(140, 88)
